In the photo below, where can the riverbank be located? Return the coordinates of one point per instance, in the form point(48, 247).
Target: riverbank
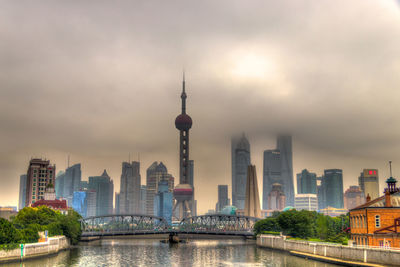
point(35, 250)
point(356, 254)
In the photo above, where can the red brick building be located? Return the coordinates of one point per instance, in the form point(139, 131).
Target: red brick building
point(377, 222)
point(51, 201)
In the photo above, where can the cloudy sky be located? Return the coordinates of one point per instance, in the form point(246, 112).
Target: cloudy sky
point(98, 80)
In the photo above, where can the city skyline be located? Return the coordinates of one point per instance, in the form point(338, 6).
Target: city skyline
point(102, 105)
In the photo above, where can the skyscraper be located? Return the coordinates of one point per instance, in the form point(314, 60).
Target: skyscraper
point(117, 203)
point(163, 201)
point(332, 188)
point(59, 188)
point(104, 187)
point(22, 191)
point(240, 152)
point(306, 182)
point(183, 192)
point(369, 183)
point(353, 197)
point(72, 182)
point(191, 183)
point(223, 199)
point(40, 174)
point(129, 200)
point(252, 201)
point(154, 174)
point(276, 198)
point(143, 199)
point(278, 168)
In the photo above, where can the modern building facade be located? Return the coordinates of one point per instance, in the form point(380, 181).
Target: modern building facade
point(143, 199)
point(252, 201)
point(22, 191)
point(223, 199)
point(276, 198)
point(79, 203)
point(369, 183)
point(129, 198)
point(155, 173)
point(278, 168)
point(59, 187)
point(306, 202)
point(40, 173)
point(183, 192)
point(163, 201)
point(72, 182)
point(240, 152)
point(353, 197)
point(331, 189)
point(306, 182)
point(104, 188)
point(117, 203)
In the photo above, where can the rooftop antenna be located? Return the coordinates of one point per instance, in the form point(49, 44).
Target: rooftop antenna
point(390, 166)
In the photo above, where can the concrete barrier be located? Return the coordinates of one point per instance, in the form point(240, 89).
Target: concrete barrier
point(52, 246)
point(361, 254)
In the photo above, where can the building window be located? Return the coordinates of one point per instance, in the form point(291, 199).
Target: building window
point(377, 221)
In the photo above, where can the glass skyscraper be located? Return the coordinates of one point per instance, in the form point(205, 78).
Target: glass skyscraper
point(306, 182)
point(104, 188)
point(240, 149)
point(129, 198)
point(332, 189)
point(163, 201)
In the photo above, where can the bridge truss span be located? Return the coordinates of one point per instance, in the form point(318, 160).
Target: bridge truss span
point(218, 224)
point(120, 224)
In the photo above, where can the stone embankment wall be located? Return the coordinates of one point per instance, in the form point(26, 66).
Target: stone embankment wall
point(362, 254)
point(52, 246)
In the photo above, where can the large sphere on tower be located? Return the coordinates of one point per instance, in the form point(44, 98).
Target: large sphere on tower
point(183, 122)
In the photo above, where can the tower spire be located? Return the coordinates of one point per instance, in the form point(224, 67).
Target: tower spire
point(183, 95)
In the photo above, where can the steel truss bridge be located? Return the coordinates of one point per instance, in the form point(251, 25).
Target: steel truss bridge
point(138, 224)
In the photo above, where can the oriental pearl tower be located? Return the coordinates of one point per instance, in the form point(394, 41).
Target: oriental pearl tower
point(183, 192)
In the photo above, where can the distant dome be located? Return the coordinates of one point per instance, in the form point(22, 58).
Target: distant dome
point(288, 208)
point(229, 210)
point(183, 122)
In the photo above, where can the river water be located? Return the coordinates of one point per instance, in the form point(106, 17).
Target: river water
point(133, 252)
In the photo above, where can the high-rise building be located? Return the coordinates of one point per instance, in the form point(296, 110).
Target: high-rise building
point(79, 203)
point(320, 193)
point(60, 184)
point(163, 201)
point(117, 203)
point(183, 192)
point(104, 187)
point(130, 188)
point(191, 183)
point(91, 201)
point(143, 199)
point(306, 182)
point(223, 199)
point(332, 189)
point(40, 174)
point(72, 182)
point(276, 198)
point(278, 168)
point(369, 183)
point(306, 202)
point(252, 201)
point(240, 152)
point(22, 191)
point(154, 174)
point(353, 197)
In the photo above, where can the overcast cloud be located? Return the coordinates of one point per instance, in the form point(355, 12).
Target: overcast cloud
point(101, 79)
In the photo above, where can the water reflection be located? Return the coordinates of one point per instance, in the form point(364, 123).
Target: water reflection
point(131, 252)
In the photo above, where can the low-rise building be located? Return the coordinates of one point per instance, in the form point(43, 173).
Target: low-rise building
point(51, 201)
point(306, 202)
point(377, 222)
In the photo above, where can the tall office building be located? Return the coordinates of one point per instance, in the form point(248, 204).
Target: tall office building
point(240, 152)
point(163, 201)
point(278, 168)
point(130, 188)
point(60, 184)
point(40, 174)
point(72, 182)
point(191, 183)
point(223, 199)
point(91, 202)
point(79, 203)
point(306, 182)
point(143, 199)
point(276, 198)
point(252, 201)
point(332, 189)
point(369, 183)
point(117, 203)
point(154, 174)
point(353, 197)
point(104, 187)
point(22, 191)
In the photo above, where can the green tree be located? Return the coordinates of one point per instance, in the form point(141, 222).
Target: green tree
point(267, 224)
point(296, 223)
point(8, 233)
